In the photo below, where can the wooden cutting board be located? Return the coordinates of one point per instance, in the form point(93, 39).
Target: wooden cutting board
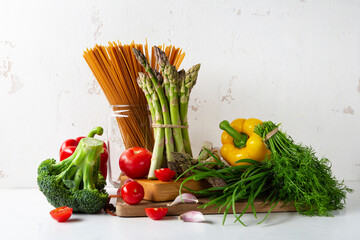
point(158, 191)
point(126, 210)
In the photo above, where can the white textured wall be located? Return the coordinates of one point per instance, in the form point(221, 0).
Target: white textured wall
point(294, 62)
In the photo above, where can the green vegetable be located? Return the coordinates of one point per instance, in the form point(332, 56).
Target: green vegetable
point(75, 182)
point(173, 76)
point(299, 176)
point(187, 82)
point(168, 96)
point(157, 117)
point(169, 142)
point(245, 182)
point(291, 174)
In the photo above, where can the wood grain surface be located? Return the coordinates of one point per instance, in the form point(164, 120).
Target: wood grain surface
point(158, 191)
point(126, 210)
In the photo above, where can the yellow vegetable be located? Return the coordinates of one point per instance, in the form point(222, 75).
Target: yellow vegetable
point(240, 142)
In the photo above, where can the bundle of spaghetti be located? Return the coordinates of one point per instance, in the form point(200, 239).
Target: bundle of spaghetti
point(116, 70)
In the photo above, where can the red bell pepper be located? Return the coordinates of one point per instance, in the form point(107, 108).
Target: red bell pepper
point(68, 148)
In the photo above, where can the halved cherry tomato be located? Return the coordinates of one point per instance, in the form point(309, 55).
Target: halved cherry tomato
point(132, 193)
point(156, 213)
point(61, 214)
point(164, 174)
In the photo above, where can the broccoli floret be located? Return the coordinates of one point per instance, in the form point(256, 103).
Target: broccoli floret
point(75, 182)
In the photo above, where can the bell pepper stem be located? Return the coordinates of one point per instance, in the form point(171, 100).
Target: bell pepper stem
point(97, 130)
point(239, 138)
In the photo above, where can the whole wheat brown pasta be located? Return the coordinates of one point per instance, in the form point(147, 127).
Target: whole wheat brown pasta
point(116, 70)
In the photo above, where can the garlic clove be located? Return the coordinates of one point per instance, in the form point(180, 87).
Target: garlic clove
point(184, 198)
point(192, 216)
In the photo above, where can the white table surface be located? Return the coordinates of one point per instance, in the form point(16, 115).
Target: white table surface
point(24, 214)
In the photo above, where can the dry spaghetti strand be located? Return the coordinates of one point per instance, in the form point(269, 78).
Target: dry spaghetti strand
point(116, 70)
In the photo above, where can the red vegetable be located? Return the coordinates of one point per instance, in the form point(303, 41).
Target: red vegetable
point(68, 148)
point(103, 162)
point(135, 162)
point(79, 138)
point(132, 193)
point(61, 214)
point(68, 143)
point(156, 213)
point(126, 182)
point(164, 174)
point(67, 152)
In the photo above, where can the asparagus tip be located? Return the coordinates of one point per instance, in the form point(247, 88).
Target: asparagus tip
point(158, 76)
point(140, 56)
point(161, 57)
point(142, 75)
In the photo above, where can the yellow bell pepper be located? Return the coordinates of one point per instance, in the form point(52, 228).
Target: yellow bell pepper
point(240, 142)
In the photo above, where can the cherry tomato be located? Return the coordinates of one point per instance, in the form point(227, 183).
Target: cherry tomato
point(156, 213)
point(135, 162)
point(164, 174)
point(132, 193)
point(61, 214)
point(120, 188)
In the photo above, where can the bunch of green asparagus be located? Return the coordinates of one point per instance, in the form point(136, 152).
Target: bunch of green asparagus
point(167, 94)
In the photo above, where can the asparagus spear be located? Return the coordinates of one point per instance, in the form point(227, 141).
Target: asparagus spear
point(186, 86)
point(171, 80)
point(173, 76)
point(162, 61)
point(169, 142)
point(159, 76)
point(142, 84)
point(151, 96)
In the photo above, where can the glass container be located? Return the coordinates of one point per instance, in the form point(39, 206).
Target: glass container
point(128, 126)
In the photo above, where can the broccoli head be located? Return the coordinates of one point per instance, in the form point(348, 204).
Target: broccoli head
point(75, 182)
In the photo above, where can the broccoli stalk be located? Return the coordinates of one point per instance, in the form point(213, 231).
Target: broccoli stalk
point(75, 182)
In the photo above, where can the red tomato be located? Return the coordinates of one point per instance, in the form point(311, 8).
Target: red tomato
point(61, 214)
point(67, 152)
point(164, 174)
point(120, 188)
point(132, 193)
point(135, 162)
point(156, 213)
